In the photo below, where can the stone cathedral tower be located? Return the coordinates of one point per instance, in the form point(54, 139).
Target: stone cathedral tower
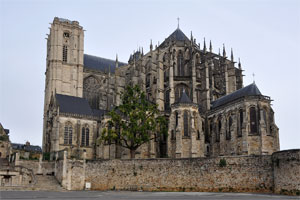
point(64, 70)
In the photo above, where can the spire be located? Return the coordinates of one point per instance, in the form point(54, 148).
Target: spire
point(210, 46)
point(204, 46)
point(192, 37)
point(151, 46)
point(224, 51)
point(231, 55)
point(219, 52)
point(178, 22)
point(240, 66)
point(142, 51)
point(117, 62)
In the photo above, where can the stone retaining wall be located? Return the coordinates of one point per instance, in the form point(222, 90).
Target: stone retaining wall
point(286, 165)
point(230, 174)
point(279, 173)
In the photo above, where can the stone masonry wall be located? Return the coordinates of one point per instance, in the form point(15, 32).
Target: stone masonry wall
point(279, 173)
point(38, 167)
point(239, 174)
point(286, 165)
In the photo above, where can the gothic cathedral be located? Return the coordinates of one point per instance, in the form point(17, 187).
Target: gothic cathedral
point(210, 113)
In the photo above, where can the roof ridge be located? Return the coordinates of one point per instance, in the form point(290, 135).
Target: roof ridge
point(108, 59)
point(249, 90)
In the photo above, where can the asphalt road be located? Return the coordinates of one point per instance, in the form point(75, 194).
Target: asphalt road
point(120, 195)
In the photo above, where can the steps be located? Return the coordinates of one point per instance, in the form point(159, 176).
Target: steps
point(43, 183)
point(47, 183)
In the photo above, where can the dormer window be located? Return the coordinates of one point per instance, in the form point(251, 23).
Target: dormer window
point(66, 35)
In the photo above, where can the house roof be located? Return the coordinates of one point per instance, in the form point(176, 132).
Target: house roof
point(250, 90)
point(31, 148)
point(100, 64)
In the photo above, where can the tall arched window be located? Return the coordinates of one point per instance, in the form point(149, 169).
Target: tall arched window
point(68, 134)
point(240, 123)
point(228, 132)
point(186, 123)
point(176, 119)
point(85, 136)
point(218, 133)
point(167, 100)
point(180, 64)
point(253, 121)
point(91, 91)
point(265, 115)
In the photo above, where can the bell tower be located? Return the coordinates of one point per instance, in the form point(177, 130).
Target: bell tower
point(64, 62)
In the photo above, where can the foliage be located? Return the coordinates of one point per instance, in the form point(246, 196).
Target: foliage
point(135, 122)
point(46, 156)
point(222, 162)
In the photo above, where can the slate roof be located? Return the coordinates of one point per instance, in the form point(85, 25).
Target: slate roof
point(73, 105)
point(100, 64)
point(250, 90)
point(6, 131)
point(98, 112)
point(31, 148)
point(184, 98)
point(76, 105)
point(177, 35)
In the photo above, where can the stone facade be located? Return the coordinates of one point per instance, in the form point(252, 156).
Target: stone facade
point(217, 116)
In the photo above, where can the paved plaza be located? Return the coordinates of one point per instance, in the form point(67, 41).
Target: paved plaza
point(122, 195)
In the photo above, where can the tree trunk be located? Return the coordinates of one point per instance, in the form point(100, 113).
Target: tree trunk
point(132, 153)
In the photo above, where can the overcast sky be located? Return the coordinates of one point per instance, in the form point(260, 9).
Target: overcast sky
point(265, 34)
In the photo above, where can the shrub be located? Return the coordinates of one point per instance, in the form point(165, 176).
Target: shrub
point(222, 162)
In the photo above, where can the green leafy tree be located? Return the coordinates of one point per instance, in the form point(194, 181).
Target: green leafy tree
point(135, 122)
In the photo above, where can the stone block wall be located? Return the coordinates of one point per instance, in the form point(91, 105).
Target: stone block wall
point(239, 174)
point(286, 165)
point(279, 173)
point(38, 167)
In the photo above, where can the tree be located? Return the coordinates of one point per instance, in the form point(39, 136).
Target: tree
point(135, 122)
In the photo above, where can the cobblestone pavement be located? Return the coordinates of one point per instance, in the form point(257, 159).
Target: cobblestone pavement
point(121, 195)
